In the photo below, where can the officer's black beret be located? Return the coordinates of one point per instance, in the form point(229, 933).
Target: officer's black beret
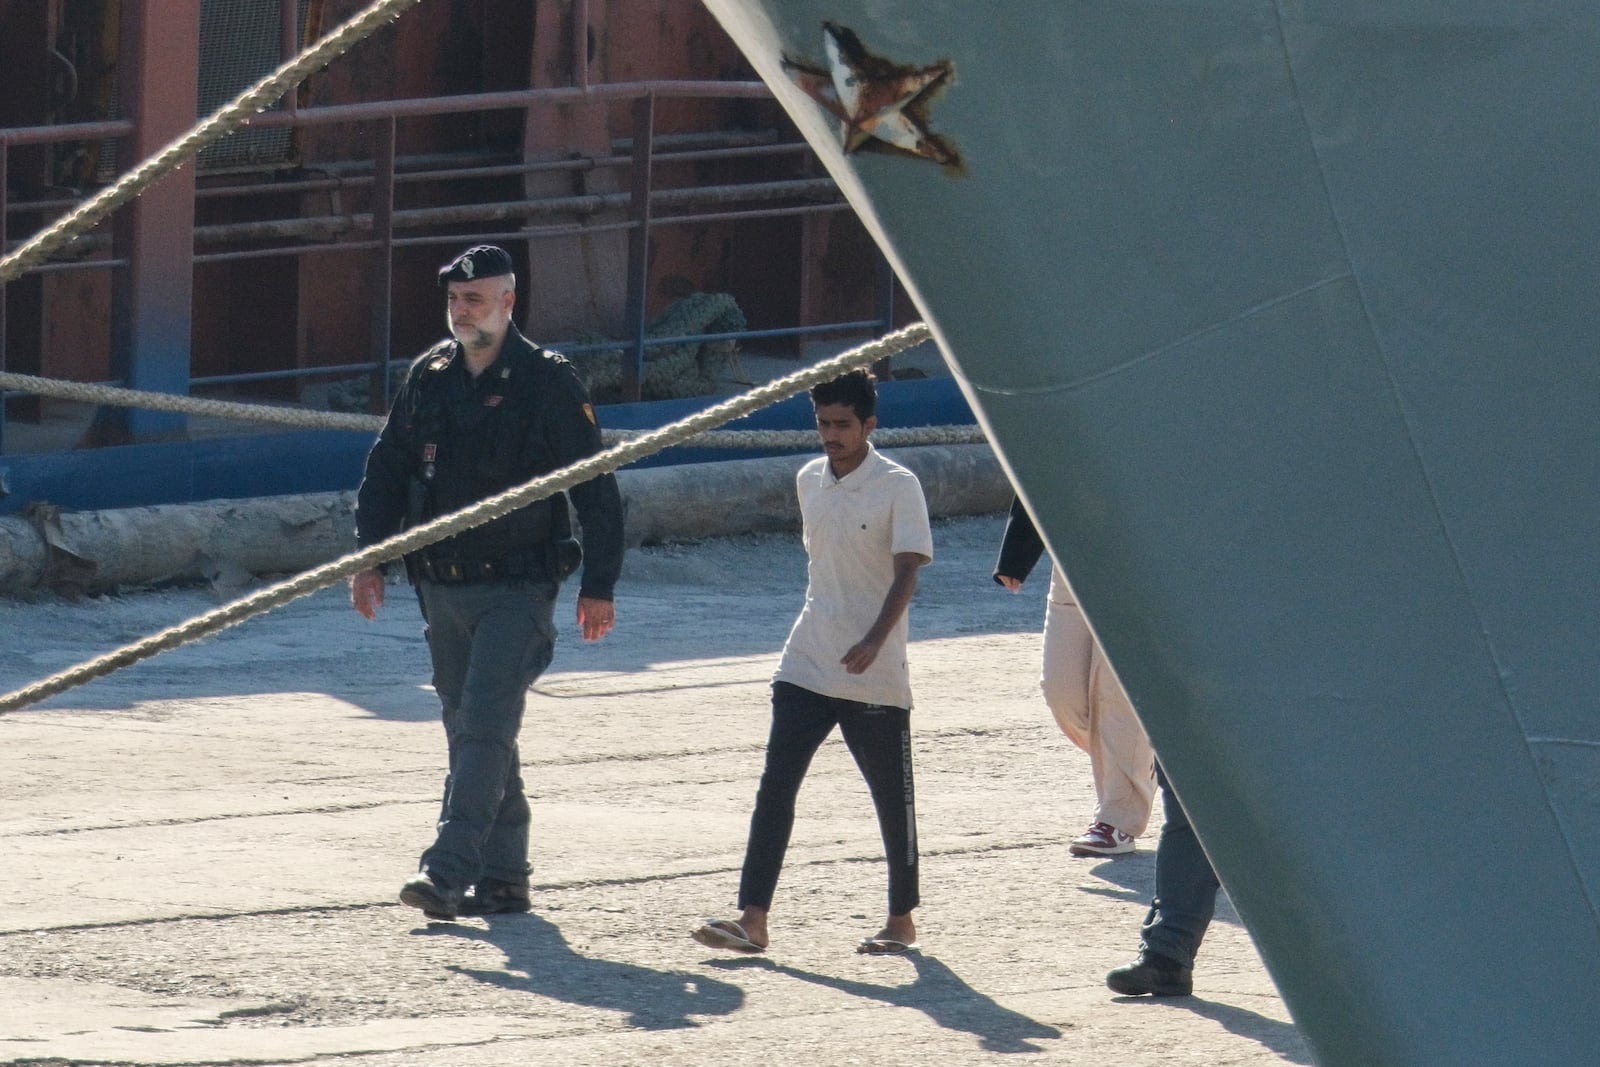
point(479, 261)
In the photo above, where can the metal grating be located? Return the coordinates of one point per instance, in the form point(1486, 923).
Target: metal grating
point(239, 45)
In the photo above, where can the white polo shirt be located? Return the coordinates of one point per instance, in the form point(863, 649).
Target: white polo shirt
point(854, 526)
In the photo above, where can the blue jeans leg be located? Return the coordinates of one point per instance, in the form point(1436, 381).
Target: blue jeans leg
point(1186, 886)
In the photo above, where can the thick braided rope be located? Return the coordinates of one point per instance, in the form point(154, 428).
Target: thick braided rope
point(901, 437)
point(223, 122)
point(610, 459)
point(189, 405)
point(342, 420)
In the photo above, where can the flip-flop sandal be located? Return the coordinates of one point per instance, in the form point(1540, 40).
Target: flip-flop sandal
point(725, 934)
point(883, 946)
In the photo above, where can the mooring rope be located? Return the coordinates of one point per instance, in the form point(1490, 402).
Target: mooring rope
point(301, 418)
point(631, 446)
point(86, 393)
point(224, 121)
point(603, 462)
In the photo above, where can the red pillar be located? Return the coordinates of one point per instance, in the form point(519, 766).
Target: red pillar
point(152, 297)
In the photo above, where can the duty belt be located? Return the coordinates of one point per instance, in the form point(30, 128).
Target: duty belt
point(451, 571)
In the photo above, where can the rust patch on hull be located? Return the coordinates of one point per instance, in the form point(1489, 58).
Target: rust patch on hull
point(882, 106)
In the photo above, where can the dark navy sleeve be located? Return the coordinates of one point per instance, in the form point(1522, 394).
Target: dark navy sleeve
point(386, 483)
point(573, 433)
point(1021, 546)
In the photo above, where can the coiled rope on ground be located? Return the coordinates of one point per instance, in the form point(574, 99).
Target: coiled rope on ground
point(602, 462)
point(343, 420)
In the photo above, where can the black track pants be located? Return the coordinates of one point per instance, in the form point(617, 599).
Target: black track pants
point(879, 737)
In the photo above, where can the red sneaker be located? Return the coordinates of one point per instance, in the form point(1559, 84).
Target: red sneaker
point(1101, 839)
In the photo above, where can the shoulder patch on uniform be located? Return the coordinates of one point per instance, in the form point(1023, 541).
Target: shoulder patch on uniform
point(438, 358)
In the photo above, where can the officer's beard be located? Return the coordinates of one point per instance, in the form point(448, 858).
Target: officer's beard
point(473, 337)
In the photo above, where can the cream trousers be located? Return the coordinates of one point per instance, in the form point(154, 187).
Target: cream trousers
point(1089, 705)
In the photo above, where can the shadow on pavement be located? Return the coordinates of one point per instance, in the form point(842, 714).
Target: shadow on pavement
point(938, 992)
point(1129, 878)
point(1133, 878)
point(1284, 1039)
point(539, 960)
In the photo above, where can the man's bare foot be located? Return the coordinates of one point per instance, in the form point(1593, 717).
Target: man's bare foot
point(898, 935)
point(748, 933)
point(754, 921)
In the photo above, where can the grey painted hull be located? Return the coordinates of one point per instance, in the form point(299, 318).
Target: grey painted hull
point(1286, 319)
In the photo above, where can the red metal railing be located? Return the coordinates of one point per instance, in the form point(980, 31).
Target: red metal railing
point(380, 230)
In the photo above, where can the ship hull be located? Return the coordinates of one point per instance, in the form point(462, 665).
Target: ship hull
point(1283, 319)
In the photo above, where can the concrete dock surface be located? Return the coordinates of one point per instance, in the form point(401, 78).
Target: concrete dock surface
point(203, 850)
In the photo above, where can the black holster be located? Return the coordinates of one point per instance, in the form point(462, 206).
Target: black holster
point(565, 554)
point(416, 506)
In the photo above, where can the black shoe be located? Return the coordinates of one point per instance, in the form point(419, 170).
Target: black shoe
point(1152, 975)
point(494, 897)
point(436, 898)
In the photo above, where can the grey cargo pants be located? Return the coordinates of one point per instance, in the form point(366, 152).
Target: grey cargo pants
point(489, 642)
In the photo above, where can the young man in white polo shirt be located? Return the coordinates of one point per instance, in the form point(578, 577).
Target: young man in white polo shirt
point(866, 535)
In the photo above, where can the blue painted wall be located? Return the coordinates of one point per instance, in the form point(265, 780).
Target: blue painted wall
point(321, 461)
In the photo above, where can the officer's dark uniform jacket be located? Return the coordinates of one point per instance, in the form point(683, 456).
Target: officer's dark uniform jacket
point(452, 440)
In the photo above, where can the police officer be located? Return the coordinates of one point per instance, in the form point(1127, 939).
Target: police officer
point(478, 414)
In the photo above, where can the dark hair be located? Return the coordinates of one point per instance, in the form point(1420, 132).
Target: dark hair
point(854, 388)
